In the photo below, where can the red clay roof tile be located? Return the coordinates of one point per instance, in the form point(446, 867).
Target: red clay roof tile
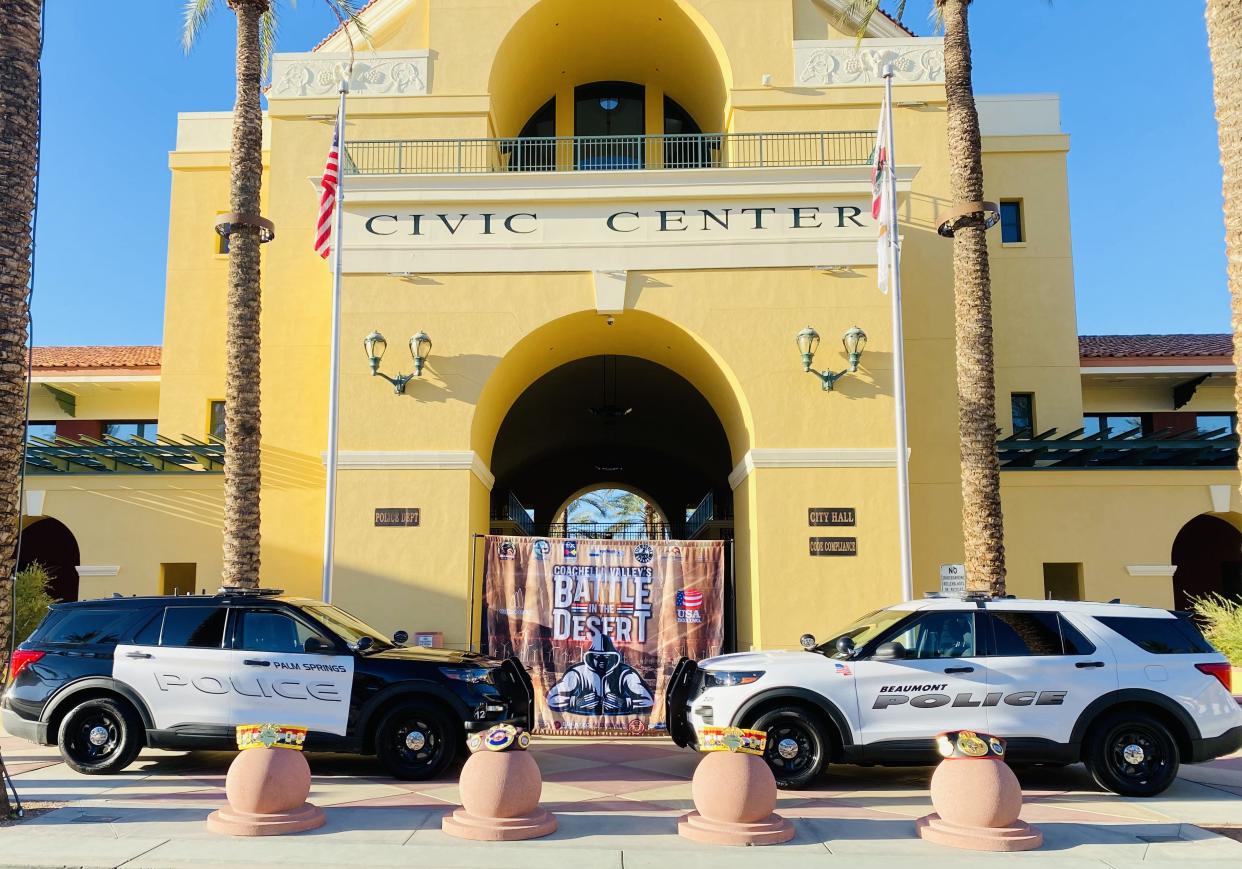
point(141, 356)
point(1181, 345)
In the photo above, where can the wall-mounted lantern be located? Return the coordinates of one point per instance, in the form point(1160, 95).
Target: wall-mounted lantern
point(854, 341)
point(420, 349)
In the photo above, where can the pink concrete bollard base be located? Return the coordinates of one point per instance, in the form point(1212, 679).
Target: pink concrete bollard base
point(500, 799)
point(977, 802)
point(734, 798)
point(235, 823)
point(1019, 837)
point(771, 831)
point(464, 825)
point(267, 790)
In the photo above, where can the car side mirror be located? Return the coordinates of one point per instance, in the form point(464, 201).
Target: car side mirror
point(807, 641)
point(889, 652)
point(845, 646)
point(400, 637)
point(364, 643)
point(316, 645)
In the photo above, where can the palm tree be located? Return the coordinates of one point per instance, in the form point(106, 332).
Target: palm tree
point(256, 36)
point(982, 521)
point(1224, 26)
point(20, 49)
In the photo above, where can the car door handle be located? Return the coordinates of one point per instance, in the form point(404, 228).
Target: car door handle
point(137, 655)
point(959, 669)
point(1088, 665)
point(257, 663)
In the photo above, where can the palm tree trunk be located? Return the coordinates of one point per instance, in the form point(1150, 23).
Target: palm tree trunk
point(20, 45)
point(241, 467)
point(1224, 27)
point(982, 524)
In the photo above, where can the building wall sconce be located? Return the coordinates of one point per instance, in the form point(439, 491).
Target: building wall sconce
point(420, 349)
point(854, 340)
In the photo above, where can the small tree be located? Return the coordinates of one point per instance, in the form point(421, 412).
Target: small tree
point(33, 599)
point(1222, 625)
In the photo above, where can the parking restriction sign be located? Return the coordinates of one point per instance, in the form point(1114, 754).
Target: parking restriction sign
point(953, 579)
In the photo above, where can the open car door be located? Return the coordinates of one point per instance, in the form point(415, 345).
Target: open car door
point(515, 683)
point(684, 680)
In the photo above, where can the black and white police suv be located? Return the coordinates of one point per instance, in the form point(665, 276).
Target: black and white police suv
point(1130, 691)
point(103, 678)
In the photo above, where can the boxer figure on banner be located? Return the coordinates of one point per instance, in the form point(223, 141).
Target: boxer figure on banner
point(603, 684)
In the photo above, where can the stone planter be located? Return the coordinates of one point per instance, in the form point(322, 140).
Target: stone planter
point(734, 798)
point(500, 792)
point(977, 798)
point(267, 790)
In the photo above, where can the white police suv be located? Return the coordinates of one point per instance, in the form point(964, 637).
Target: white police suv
point(1130, 691)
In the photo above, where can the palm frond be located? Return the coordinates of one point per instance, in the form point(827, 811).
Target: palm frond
point(267, 38)
point(347, 13)
point(858, 14)
point(196, 14)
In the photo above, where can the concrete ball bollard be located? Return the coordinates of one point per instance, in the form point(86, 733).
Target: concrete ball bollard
point(734, 793)
point(267, 789)
point(977, 798)
point(500, 788)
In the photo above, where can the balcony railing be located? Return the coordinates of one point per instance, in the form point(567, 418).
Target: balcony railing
point(606, 530)
point(609, 153)
point(511, 510)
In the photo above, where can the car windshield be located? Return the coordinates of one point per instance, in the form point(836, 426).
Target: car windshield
point(863, 630)
point(349, 628)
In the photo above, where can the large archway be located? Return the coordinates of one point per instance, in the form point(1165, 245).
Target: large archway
point(1207, 554)
point(557, 45)
point(612, 420)
point(50, 542)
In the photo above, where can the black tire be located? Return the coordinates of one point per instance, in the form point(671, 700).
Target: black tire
point(1131, 754)
point(798, 747)
point(417, 741)
point(100, 736)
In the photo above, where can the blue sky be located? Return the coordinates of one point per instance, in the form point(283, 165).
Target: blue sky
point(1134, 79)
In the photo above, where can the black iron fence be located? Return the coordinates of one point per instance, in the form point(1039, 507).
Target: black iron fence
point(605, 153)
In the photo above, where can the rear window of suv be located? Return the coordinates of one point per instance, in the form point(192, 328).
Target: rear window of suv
point(83, 626)
point(1173, 636)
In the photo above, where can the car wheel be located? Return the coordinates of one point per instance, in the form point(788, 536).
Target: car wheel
point(100, 736)
point(797, 747)
point(416, 741)
point(1132, 754)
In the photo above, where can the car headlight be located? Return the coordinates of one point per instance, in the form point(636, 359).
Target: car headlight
point(729, 678)
point(472, 675)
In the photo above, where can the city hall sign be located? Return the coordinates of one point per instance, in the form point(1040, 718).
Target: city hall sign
point(553, 235)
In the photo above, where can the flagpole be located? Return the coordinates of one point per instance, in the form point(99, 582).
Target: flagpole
point(334, 367)
point(899, 355)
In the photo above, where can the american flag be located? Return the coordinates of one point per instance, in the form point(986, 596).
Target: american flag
point(689, 600)
point(327, 198)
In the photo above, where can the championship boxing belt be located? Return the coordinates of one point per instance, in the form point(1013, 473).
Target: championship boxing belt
point(502, 737)
point(735, 739)
point(969, 745)
point(270, 736)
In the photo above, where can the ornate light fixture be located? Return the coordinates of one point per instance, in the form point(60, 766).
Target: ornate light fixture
point(420, 349)
point(854, 341)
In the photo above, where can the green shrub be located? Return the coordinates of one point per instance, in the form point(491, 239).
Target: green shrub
point(1221, 619)
point(33, 599)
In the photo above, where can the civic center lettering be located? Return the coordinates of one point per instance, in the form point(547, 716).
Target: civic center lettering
point(447, 225)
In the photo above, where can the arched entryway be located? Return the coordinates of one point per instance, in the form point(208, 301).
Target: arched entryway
point(1207, 554)
point(50, 542)
point(612, 420)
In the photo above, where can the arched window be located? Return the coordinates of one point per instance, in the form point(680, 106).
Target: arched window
point(610, 129)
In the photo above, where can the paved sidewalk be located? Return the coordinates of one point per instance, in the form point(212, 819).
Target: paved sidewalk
point(617, 803)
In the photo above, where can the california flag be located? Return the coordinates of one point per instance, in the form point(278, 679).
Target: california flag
point(881, 195)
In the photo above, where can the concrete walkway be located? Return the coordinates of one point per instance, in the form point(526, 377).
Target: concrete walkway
point(617, 802)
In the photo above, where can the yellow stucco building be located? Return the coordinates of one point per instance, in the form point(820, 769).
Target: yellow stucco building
point(612, 220)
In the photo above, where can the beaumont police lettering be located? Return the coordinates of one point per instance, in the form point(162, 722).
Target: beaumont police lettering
point(931, 697)
point(591, 599)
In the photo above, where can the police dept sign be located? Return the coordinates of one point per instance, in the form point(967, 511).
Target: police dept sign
point(600, 624)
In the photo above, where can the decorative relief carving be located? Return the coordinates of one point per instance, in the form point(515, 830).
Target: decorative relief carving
point(377, 74)
point(845, 62)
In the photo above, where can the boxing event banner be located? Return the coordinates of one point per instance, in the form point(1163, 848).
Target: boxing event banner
point(600, 624)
